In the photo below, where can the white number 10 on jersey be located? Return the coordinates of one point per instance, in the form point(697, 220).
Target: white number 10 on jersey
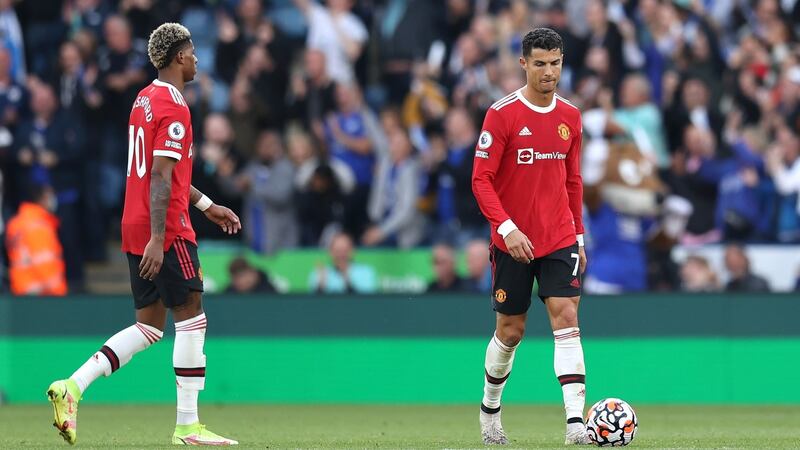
point(136, 147)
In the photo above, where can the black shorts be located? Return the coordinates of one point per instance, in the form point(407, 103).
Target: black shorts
point(179, 275)
point(558, 275)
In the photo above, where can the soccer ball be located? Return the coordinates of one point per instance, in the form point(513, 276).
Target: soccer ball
point(611, 422)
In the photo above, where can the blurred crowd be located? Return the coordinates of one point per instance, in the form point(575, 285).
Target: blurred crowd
point(317, 119)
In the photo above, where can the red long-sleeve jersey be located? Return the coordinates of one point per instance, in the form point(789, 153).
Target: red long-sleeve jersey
point(527, 172)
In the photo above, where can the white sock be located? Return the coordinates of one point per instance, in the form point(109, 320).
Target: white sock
point(499, 358)
point(117, 351)
point(571, 372)
point(190, 366)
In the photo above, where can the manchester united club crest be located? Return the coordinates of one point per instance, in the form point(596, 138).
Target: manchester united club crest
point(563, 131)
point(500, 295)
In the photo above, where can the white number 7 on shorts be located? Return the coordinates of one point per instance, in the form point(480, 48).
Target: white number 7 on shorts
point(577, 260)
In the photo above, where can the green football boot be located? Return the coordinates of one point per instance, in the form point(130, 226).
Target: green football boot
point(197, 434)
point(65, 395)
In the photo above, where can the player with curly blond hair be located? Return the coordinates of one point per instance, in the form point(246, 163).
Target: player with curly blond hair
point(160, 245)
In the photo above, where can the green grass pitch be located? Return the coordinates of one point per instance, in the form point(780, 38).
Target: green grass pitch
point(369, 426)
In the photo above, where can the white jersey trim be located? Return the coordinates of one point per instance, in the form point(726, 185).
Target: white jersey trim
point(566, 101)
point(500, 103)
point(538, 109)
point(168, 154)
point(176, 95)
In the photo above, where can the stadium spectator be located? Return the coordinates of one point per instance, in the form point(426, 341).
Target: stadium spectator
point(88, 15)
point(248, 279)
point(266, 183)
point(36, 263)
point(50, 150)
point(691, 105)
point(740, 210)
point(312, 93)
point(214, 160)
point(457, 211)
point(783, 164)
point(13, 108)
point(424, 106)
point(641, 119)
point(684, 181)
point(349, 133)
point(246, 116)
point(698, 276)
point(406, 32)
point(396, 221)
point(43, 31)
point(479, 272)
point(320, 186)
point(11, 39)
point(76, 88)
point(343, 275)
point(741, 279)
point(445, 278)
point(336, 32)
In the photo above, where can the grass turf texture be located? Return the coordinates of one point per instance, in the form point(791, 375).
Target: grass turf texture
point(369, 426)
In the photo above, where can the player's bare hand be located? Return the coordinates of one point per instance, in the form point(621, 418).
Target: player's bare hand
point(582, 255)
point(225, 218)
point(519, 246)
point(152, 259)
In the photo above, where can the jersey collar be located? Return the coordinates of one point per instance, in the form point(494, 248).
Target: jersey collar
point(158, 82)
point(538, 109)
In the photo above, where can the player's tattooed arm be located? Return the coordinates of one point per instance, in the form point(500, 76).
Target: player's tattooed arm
point(160, 192)
point(194, 195)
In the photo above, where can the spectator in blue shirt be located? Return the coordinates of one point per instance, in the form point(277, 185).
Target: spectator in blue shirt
point(741, 210)
point(348, 133)
point(342, 275)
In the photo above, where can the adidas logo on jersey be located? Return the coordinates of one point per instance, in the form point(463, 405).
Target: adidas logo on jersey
point(525, 132)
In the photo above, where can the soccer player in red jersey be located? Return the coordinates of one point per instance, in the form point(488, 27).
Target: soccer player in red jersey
point(526, 179)
point(160, 244)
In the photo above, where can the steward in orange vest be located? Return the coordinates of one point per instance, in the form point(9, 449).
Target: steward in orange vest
point(36, 263)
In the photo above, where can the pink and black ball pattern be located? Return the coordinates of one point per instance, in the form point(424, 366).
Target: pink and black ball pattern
point(611, 423)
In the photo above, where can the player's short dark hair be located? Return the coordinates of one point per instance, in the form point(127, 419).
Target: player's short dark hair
point(544, 38)
point(165, 42)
